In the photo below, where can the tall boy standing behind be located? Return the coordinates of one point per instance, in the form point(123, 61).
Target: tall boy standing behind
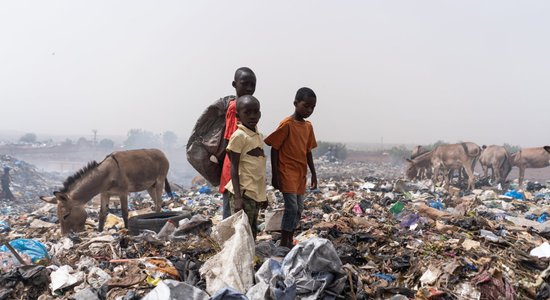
point(291, 146)
point(244, 83)
point(245, 149)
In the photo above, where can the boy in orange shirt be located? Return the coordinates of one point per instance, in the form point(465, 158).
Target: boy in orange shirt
point(244, 83)
point(291, 146)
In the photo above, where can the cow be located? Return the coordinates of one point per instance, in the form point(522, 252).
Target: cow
point(538, 157)
point(117, 175)
point(497, 159)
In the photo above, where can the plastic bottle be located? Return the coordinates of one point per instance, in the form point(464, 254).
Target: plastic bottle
point(167, 229)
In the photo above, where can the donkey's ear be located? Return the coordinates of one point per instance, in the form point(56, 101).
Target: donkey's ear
point(51, 199)
point(409, 160)
point(547, 148)
point(60, 196)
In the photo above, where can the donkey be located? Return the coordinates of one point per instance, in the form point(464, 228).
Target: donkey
point(538, 157)
point(497, 159)
point(118, 174)
point(420, 165)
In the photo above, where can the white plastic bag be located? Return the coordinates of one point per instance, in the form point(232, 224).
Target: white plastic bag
point(233, 266)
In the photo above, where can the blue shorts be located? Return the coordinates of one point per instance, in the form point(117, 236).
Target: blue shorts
point(294, 206)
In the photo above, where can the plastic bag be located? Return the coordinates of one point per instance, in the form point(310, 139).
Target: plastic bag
point(233, 266)
point(36, 250)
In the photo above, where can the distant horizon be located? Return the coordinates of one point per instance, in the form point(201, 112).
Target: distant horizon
point(13, 137)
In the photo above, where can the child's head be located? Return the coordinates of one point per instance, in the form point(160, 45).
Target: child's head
point(304, 102)
point(244, 82)
point(248, 111)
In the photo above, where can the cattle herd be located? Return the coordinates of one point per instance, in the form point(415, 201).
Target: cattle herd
point(448, 159)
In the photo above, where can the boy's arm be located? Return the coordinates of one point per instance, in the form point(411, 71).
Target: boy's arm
point(275, 180)
point(235, 158)
point(312, 170)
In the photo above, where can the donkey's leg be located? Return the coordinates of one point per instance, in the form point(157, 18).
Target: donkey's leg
point(156, 194)
point(103, 210)
point(471, 179)
point(521, 175)
point(124, 207)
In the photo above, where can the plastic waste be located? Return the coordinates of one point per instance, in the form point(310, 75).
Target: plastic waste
point(173, 289)
point(4, 227)
point(515, 194)
point(357, 209)
point(228, 294)
point(489, 235)
point(8, 262)
point(64, 277)
point(311, 270)
point(205, 189)
point(541, 251)
point(168, 228)
point(409, 220)
point(437, 204)
point(233, 266)
point(542, 218)
point(386, 277)
point(397, 208)
point(34, 249)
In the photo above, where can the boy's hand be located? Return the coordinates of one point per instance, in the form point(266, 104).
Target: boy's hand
point(313, 182)
point(276, 183)
point(238, 204)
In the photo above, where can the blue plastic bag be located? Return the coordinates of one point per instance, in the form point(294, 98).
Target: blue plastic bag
point(386, 277)
point(515, 194)
point(436, 204)
point(35, 250)
point(205, 190)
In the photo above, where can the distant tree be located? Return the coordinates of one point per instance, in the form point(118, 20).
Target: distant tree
point(336, 151)
point(28, 138)
point(106, 144)
point(169, 139)
point(432, 146)
point(139, 138)
point(67, 143)
point(511, 148)
point(83, 143)
point(399, 153)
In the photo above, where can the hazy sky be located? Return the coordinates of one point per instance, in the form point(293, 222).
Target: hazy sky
point(407, 71)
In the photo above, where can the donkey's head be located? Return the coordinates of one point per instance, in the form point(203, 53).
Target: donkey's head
point(72, 215)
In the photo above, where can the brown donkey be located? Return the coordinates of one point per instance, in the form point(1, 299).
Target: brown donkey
point(538, 157)
point(117, 175)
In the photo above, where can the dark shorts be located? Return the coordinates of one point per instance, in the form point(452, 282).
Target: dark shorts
point(251, 208)
point(294, 206)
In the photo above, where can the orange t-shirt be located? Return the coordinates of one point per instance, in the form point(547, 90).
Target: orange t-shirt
point(293, 139)
point(230, 128)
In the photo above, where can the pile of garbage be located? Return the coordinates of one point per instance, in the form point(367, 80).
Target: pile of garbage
point(360, 238)
point(27, 185)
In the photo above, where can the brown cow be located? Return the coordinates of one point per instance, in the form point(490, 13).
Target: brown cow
point(538, 157)
point(117, 175)
point(497, 159)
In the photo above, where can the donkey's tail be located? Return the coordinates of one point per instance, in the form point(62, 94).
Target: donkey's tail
point(167, 187)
